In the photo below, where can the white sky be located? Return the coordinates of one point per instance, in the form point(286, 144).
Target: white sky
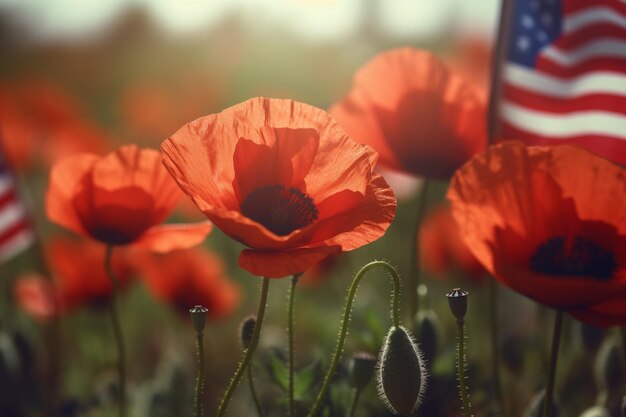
point(320, 20)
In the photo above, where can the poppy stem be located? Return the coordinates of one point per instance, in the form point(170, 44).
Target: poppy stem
point(355, 399)
point(495, 356)
point(117, 329)
point(341, 339)
point(200, 373)
point(554, 355)
point(622, 332)
point(291, 342)
point(255, 397)
point(248, 352)
point(414, 278)
point(461, 367)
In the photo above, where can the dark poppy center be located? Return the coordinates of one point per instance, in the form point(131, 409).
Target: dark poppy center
point(574, 256)
point(281, 210)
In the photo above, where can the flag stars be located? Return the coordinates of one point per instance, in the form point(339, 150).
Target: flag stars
point(527, 21)
point(523, 43)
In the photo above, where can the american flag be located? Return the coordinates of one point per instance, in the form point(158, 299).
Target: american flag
point(563, 74)
point(16, 233)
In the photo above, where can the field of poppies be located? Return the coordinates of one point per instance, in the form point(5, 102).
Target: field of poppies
point(174, 242)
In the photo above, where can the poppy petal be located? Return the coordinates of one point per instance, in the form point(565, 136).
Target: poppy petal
point(423, 118)
point(167, 237)
point(132, 167)
point(282, 156)
point(205, 147)
point(607, 314)
point(272, 264)
point(64, 179)
point(364, 223)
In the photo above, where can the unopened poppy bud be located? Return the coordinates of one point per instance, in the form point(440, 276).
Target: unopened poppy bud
point(609, 366)
point(361, 369)
point(457, 298)
point(428, 330)
point(596, 411)
point(401, 374)
point(198, 318)
point(535, 408)
point(246, 329)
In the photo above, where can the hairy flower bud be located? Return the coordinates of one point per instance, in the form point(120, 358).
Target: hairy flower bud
point(246, 328)
point(361, 369)
point(401, 374)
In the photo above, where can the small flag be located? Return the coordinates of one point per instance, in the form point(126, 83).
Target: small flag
point(562, 76)
point(16, 233)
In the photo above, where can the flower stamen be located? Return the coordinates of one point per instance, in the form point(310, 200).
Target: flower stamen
point(281, 210)
point(574, 256)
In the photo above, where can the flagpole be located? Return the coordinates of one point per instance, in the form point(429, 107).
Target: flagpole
point(504, 26)
point(493, 124)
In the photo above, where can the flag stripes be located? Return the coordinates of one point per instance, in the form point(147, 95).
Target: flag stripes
point(564, 75)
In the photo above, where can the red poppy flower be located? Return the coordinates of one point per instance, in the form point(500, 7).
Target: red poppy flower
point(186, 278)
point(40, 122)
point(120, 199)
point(550, 223)
point(443, 251)
point(282, 178)
point(75, 283)
point(420, 116)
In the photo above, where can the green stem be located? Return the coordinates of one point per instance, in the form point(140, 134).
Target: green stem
point(414, 278)
point(248, 352)
point(355, 400)
point(461, 368)
point(622, 332)
point(200, 374)
point(495, 356)
point(291, 343)
point(395, 311)
point(255, 397)
point(554, 356)
point(117, 329)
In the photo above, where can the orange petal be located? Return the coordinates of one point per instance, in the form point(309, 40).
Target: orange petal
point(281, 156)
point(132, 167)
point(364, 223)
point(64, 179)
point(200, 155)
point(167, 237)
point(422, 118)
point(279, 264)
point(508, 187)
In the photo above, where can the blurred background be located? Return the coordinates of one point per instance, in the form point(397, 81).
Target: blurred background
point(81, 75)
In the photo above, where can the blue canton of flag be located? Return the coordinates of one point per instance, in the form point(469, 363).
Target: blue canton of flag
point(536, 23)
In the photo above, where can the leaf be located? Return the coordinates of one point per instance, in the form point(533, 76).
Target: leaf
point(306, 379)
point(278, 369)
